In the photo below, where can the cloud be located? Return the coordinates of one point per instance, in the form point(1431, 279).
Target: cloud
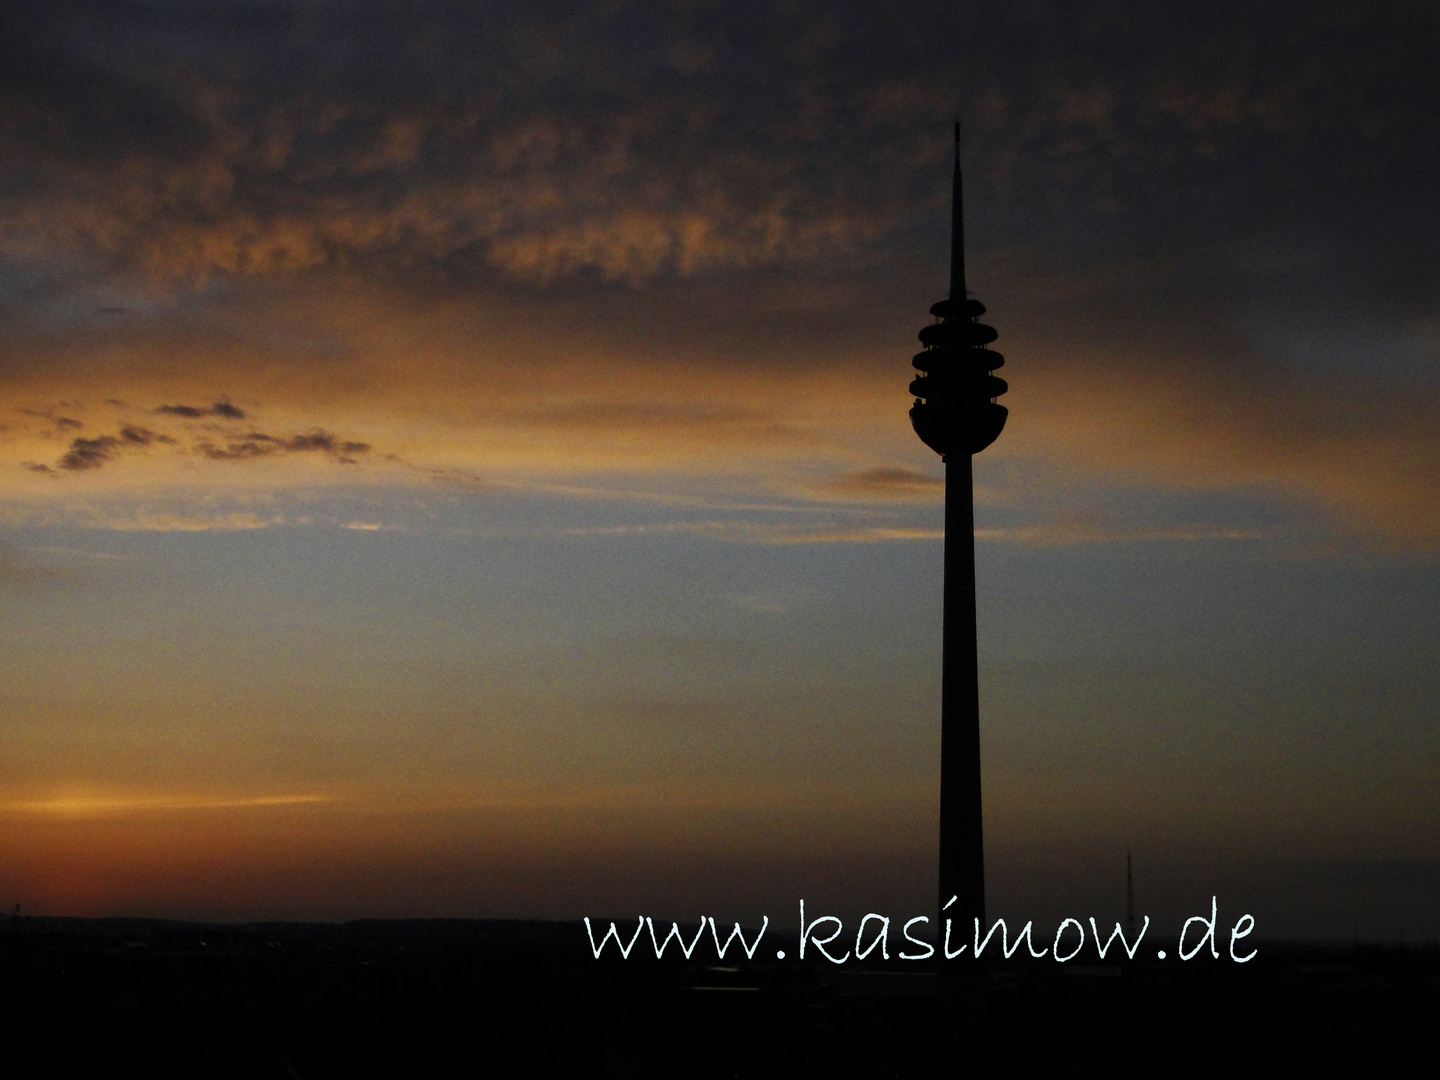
point(90, 806)
point(1067, 534)
point(92, 453)
point(191, 412)
point(662, 144)
point(756, 532)
point(884, 484)
point(422, 244)
point(451, 155)
point(141, 517)
point(213, 442)
point(520, 399)
point(256, 444)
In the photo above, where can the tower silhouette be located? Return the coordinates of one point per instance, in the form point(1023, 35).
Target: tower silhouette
point(956, 415)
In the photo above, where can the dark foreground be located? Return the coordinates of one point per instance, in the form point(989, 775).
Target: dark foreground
point(414, 999)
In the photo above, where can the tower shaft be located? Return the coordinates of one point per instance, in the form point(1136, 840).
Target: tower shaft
point(962, 835)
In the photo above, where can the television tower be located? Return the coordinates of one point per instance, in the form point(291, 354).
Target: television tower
point(956, 415)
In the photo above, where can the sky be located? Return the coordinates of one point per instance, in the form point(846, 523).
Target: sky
point(454, 458)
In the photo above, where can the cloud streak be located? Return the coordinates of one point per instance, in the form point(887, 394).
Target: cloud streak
point(91, 806)
point(256, 444)
point(210, 442)
point(191, 412)
point(756, 532)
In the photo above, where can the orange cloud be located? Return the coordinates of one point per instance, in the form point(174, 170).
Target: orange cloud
point(488, 393)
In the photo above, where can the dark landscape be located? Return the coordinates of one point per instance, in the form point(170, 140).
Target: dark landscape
point(443, 998)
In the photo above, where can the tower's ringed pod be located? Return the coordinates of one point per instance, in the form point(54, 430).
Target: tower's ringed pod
point(955, 410)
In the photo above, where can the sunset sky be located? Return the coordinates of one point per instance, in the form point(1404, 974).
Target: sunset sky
point(454, 457)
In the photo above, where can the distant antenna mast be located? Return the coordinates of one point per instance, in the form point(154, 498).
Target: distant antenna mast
point(1129, 897)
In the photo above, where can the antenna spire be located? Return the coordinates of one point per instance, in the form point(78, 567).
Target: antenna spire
point(957, 229)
